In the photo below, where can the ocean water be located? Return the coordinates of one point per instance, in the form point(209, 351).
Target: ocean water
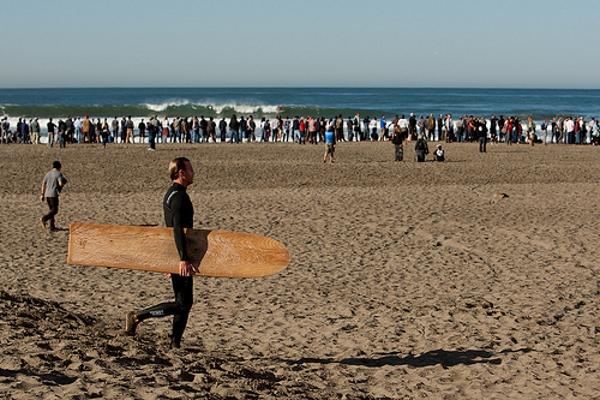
point(144, 102)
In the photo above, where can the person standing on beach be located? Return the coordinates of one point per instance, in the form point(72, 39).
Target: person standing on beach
point(373, 135)
point(129, 130)
point(544, 129)
point(205, 134)
point(195, 129)
point(592, 129)
point(531, 130)
point(430, 127)
point(70, 129)
point(52, 184)
point(165, 129)
point(349, 128)
point(85, 128)
point(493, 128)
point(77, 127)
point(403, 126)
point(421, 126)
point(142, 129)
point(440, 128)
point(123, 129)
point(421, 148)
point(3, 130)
point(251, 128)
point(508, 129)
point(104, 132)
point(19, 127)
point(51, 126)
point(569, 130)
point(152, 132)
point(482, 132)
point(382, 128)
point(243, 129)
point(364, 127)
point(115, 129)
point(449, 127)
point(397, 139)
point(62, 134)
point(179, 214)
point(296, 129)
point(581, 132)
point(211, 127)
point(554, 130)
point(24, 132)
point(223, 129)
point(287, 126)
point(302, 127)
point(357, 130)
point(412, 126)
point(234, 129)
point(339, 129)
point(35, 131)
point(330, 140)
point(501, 122)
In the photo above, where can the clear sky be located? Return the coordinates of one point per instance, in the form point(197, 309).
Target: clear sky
point(395, 43)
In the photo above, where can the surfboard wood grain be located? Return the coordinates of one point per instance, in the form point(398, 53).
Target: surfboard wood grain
point(218, 253)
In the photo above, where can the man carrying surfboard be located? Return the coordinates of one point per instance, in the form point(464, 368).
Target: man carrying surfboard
point(179, 214)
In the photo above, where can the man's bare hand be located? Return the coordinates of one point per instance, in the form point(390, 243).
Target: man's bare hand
point(187, 268)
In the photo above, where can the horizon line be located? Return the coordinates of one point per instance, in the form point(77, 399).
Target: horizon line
point(298, 87)
point(302, 87)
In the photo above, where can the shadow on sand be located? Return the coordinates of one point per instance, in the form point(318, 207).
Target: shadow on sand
point(443, 357)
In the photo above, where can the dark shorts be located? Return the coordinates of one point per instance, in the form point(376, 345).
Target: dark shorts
point(330, 148)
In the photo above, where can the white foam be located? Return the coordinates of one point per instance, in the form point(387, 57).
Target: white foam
point(218, 108)
point(163, 106)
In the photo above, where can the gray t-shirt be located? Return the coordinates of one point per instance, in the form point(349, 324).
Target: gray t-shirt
point(52, 180)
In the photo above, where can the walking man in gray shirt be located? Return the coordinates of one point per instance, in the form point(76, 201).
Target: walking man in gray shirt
point(52, 184)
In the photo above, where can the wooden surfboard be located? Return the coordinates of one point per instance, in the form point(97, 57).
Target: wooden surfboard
point(218, 253)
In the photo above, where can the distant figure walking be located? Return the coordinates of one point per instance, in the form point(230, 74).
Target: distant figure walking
point(52, 185)
point(397, 139)
point(421, 149)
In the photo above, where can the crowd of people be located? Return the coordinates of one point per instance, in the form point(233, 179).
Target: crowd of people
point(562, 129)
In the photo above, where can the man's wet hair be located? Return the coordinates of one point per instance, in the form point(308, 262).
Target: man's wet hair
point(176, 165)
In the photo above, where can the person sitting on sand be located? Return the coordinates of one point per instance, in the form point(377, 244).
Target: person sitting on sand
point(439, 153)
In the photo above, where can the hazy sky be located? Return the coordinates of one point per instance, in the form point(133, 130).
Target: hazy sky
point(449, 43)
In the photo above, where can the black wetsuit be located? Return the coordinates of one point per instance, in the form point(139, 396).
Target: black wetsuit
point(179, 214)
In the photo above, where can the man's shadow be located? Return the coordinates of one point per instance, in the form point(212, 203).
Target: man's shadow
point(445, 358)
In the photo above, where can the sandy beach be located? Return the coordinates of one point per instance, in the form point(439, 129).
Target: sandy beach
point(407, 281)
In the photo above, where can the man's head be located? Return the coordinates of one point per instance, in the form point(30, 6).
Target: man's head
point(56, 165)
point(181, 171)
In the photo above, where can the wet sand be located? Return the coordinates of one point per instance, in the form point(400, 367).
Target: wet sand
point(407, 280)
